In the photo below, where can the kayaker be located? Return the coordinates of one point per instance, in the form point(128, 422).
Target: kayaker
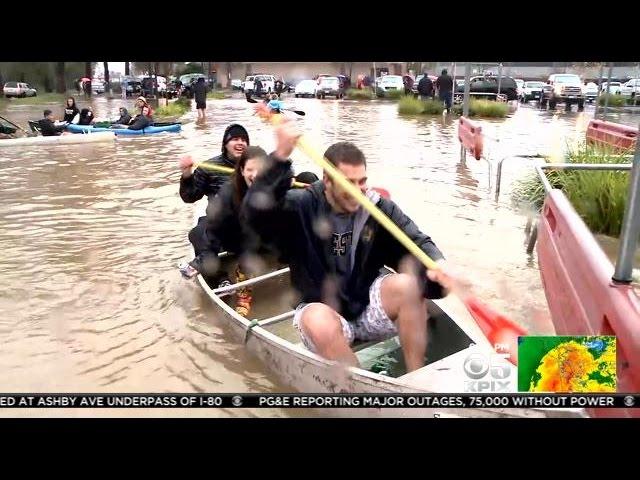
point(274, 103)
point(71, 111)
point(194, 185)
point(86, 117)
point(144, 118)
point(335, 250)
point(48, 127)
point(124, 119)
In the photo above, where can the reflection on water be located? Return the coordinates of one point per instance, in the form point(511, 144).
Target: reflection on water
point(90, 236)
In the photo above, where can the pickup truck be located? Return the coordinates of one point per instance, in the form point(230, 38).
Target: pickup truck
point(563, 88)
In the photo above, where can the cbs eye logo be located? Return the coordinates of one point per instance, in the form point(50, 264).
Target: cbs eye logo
point(476, 366)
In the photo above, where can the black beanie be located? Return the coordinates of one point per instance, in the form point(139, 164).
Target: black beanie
point(234, 130)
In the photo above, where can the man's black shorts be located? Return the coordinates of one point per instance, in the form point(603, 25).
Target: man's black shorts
point(201, 105)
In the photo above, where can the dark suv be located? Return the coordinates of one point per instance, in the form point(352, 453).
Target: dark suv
point(487, 87)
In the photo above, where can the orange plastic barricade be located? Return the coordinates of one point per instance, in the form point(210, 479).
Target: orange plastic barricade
point(470, 136)
point(620, 137)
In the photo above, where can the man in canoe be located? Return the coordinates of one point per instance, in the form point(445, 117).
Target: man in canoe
point(194, 185)
point(336, 251)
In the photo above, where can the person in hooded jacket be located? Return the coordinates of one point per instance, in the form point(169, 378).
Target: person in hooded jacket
point(125, 117)
point(425, 87)
point(206, 182)
point(200, 95)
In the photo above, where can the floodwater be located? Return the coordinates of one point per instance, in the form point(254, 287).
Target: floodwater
point(90, 236)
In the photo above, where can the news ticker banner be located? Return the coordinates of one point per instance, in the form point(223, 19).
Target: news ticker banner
point(356, 400)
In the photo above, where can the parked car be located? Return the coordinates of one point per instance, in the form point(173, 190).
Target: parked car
point(531, 91)
point(306, 88)
point(268, 83)
point(97, 86)
point(632, 87)
point(562, 88)
point(487, 87)
point(132, 85)
point(615, 88)
point(236, 84)
point(19, 89)
point(243, 85)
point(590, 91)
point(329, 86)
point(389, 83)
point(188, 81)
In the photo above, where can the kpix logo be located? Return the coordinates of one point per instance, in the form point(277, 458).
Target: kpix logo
point(487, 373)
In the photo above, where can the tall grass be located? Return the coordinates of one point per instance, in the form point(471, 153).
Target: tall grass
point(174, 109)
point(599, 197)
point(483, 108)
point(614, 100)
point(410, 106)
point(356, 94)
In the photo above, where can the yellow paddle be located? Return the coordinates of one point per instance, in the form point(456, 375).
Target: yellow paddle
point(229, 170)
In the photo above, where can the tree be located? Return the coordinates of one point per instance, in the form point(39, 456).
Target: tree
point(126, 68)
point(107, 83)
point(88, 72)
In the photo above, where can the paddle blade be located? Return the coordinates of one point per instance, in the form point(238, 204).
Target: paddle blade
point(299, 112)
point(501, 332)
point(251, 100)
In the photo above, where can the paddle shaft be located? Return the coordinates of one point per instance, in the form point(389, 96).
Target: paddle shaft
point(367, 204)
point(229, 170)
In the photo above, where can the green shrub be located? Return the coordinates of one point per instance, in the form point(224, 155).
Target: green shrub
point(356, 94)
point(614, 100)
point(410, 106)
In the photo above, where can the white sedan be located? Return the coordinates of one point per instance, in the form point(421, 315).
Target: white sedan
point(390, 83)
point(306, 88)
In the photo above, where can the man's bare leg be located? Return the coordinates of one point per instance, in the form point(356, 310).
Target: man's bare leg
point(405, 306)
point(321, 324)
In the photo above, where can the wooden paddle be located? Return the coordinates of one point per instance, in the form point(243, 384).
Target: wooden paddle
point(298, 112)
point(500, 331)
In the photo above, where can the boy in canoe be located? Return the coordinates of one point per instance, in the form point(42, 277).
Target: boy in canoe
point(336, 251)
